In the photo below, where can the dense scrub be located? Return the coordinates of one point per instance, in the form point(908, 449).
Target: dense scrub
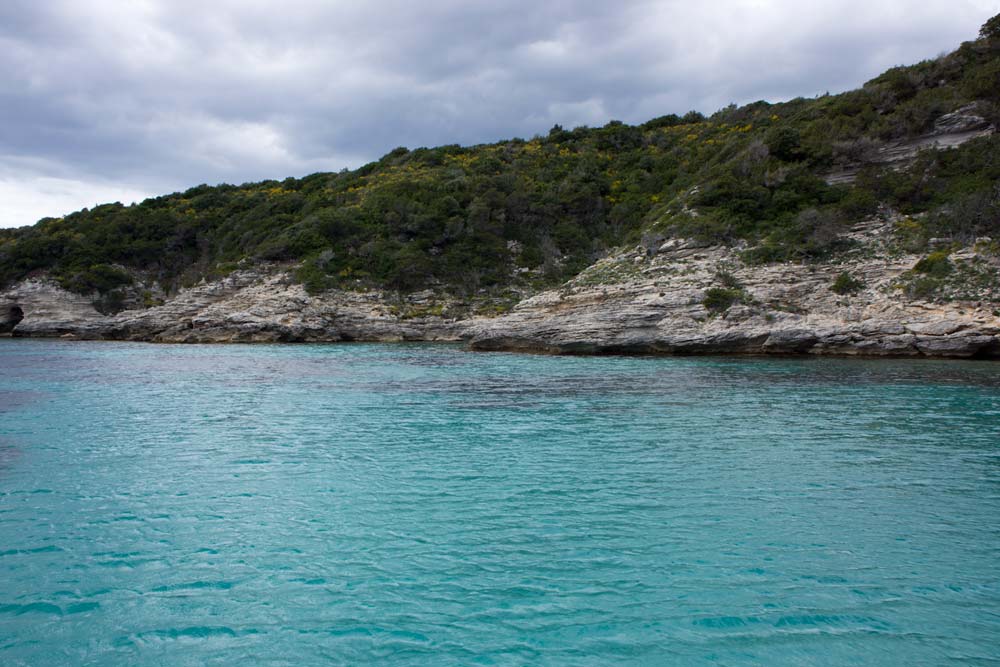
point(538, 211)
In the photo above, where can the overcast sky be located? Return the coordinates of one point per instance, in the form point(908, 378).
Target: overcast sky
point(117, 100)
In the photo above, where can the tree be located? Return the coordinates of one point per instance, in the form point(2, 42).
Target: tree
point(991, 30)
point(784, 143)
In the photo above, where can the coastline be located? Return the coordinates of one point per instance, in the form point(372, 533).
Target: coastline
point(638, 301)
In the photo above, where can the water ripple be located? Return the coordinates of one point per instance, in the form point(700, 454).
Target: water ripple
point(415, 504)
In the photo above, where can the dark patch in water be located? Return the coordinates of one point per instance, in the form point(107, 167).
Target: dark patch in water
point(12, 399)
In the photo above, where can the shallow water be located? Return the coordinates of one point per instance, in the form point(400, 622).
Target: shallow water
point(417, 504)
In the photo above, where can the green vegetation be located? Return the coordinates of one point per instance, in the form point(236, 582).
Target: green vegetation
point(609, 273)
point(939, 277)
point(935, 265)
point(482, 219)
point(728, 280)
point(720, 299)
point(846, 284)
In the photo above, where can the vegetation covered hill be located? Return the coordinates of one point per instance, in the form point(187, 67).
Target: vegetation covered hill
point(532, 213)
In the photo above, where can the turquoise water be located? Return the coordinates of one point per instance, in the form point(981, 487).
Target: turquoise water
point(420, 505)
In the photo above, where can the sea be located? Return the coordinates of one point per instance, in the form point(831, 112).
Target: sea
point(418, 504)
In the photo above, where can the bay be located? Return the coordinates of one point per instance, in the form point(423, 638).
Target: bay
point(414, 504)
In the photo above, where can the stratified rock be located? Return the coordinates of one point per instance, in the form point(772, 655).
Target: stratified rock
point(655, 306)
point(950, 131)
point(247, 306)
point(964, 119)
point(784, 309)
point(46, 309)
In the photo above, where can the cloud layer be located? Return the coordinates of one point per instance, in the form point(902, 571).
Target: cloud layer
point(115, 100)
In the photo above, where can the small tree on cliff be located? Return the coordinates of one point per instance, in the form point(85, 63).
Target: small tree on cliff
point(991, 31)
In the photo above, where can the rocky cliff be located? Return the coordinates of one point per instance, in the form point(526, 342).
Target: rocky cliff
point(686, 298)
point(682, 297)
point(262, 305)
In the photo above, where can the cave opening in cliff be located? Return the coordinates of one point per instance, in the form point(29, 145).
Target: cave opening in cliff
point(14, 316)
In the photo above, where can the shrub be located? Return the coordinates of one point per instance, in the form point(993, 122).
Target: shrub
point(720, 299)
point(784, 143)
point(935, 265)
point(728, 280)
point(925, 288)
point(101, 278)
point(912, 234)
point(991, 29)
point(810, 235)
point(968, 217)
point(846, 284)
point(313, 276)
point(765, 253)
point(858, 204)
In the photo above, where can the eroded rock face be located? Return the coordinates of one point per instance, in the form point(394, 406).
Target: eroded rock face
point(789, 309)
point(636, 302)
point(964, 119)
point(38, 307)
point(950, 131)
point(11, 315)
point(247, 306)
point(253, 308)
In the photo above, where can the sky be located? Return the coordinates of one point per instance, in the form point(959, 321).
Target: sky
point(118, 100)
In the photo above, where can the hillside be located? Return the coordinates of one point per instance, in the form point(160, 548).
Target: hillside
point(456, 231)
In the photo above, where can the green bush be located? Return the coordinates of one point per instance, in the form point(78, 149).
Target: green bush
point(925, 288)
point(935, 265)
point(101, 278)
point(720, 299)
point(784, 143)
point(846, 284)
point(991, 29)
point(728, 280)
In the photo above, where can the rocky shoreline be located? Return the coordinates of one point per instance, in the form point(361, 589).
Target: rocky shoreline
point(252, 306)
point(781, 308)
point(639, 301)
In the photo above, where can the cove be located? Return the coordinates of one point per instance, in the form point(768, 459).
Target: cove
point(414, 504)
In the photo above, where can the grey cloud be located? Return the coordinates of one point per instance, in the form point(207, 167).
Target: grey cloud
point(165, 94)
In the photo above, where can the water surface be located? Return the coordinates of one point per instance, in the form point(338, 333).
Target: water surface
point(418, 505)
